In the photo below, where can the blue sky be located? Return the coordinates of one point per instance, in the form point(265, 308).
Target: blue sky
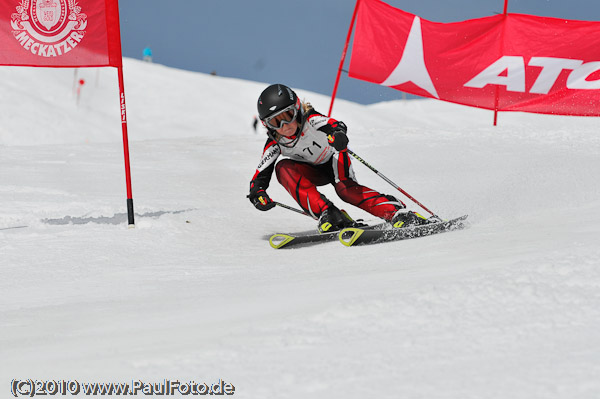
point(298, 43)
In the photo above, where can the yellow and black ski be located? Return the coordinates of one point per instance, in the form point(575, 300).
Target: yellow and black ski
point(307, 238)
point(281, 240)
point(356, 236)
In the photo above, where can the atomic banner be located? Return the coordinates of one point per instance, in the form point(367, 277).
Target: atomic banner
point(60, 33)
point(510, 62)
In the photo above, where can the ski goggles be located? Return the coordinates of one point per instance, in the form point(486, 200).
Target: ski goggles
point(283, 117)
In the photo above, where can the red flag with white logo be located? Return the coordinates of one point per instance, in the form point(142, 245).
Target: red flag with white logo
point(510, 62)
point(60, 33)
point(66, 33)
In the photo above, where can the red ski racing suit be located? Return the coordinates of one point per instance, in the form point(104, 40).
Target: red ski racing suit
point(312, 161)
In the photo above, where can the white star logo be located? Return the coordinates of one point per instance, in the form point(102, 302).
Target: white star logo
point(411, 67)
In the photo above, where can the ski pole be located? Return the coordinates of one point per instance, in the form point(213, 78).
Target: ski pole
point(292, 209)
point(390, 182)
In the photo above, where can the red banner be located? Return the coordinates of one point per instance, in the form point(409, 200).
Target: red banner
point(60, 33)
point(510, 62)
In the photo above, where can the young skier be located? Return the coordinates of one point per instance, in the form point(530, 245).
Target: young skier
point(315, 148)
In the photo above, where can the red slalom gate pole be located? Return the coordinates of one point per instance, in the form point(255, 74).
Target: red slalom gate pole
point(116, 60)
point(337, 79)
point(130, 216)
point(497, 100)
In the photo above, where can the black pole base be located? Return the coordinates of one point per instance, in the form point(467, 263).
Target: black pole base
point(130, 217)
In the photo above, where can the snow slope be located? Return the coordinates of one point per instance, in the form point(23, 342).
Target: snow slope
point(509, 308)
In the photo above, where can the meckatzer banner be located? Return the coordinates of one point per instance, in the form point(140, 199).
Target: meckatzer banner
point(60, 33)
point(508, 62)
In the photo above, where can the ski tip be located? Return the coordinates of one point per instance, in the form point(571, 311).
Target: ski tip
point(349, 235)
point(280, 240)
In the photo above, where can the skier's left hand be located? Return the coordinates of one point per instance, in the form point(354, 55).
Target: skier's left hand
point(338, 139)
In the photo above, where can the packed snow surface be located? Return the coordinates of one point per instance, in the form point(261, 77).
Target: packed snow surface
point(508, 308)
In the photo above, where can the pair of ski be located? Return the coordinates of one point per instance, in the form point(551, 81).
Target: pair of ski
point(354, 236)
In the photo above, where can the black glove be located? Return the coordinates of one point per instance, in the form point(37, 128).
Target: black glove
point(260, 199)
point(338, 139)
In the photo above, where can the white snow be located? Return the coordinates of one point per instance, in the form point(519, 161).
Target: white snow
point(509, 308)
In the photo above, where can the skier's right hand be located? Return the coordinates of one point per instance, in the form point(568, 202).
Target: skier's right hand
point(260, 199)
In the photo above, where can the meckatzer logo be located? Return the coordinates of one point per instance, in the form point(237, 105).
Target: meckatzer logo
point(49, 28)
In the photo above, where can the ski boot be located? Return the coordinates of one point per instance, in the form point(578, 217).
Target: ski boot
point(332, 219)
point(406, 218)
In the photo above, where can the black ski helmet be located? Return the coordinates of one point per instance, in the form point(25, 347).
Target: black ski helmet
point(275, 98)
